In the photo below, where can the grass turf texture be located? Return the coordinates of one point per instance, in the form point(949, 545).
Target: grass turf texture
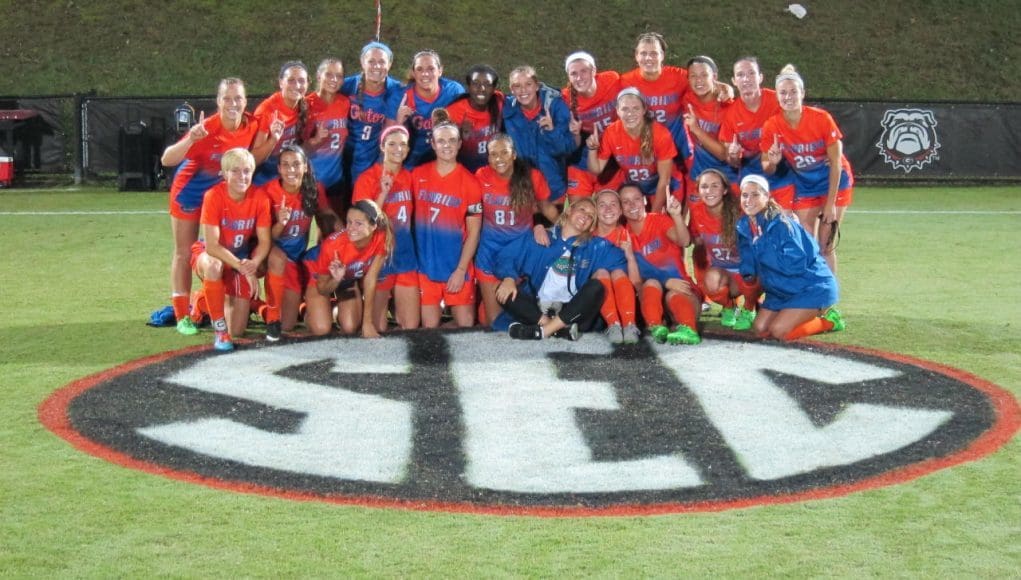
point(940, 49)
point(77, 289)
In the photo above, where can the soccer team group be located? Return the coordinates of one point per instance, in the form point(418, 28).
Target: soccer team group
point(543, 212)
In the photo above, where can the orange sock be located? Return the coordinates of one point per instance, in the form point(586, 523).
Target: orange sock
point(215, 298)
point(609, 307)
point(274, 296)
point(683, 311)
point(624, 295)
point(199, 308)
point(652, 305)
point(816, 325)
point(180, 303)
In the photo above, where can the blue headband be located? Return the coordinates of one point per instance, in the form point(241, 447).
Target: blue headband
point(380, 46)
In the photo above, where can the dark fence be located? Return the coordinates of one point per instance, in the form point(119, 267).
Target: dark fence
point(92, 136)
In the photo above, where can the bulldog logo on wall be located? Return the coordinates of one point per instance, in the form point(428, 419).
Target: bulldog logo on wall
point(473, 422)
point(909, 140)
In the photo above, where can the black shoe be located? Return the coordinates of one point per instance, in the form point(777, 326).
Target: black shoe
point(273, 331)
point(525, 331)
point(569, 332)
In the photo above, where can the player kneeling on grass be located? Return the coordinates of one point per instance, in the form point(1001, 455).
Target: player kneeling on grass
point(348, 266)
point(558, 294)
point(233, 213)
point(295, 199)
point(658, 240)
point(800, 287)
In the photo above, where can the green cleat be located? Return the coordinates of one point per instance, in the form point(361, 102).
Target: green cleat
point(186, 327)
point(683, 335)
point(728, 316)
point(744, 319)
point(833, 315)
point(659, 333)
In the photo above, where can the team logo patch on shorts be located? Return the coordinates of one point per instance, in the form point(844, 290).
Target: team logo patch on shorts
point(909, 140)
point(477, 422)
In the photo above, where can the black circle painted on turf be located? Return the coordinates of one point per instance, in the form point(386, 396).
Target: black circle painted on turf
point(652, 420)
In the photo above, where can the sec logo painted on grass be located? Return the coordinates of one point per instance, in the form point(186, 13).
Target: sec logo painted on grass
point(477, 422)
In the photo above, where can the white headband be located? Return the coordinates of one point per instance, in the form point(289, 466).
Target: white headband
point(629, 91)
point(757, 180)
point(580, 55)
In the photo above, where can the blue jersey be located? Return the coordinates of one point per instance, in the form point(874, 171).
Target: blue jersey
point(546, 150)
point(787, 261)
point(420, 123)
point(368, 115)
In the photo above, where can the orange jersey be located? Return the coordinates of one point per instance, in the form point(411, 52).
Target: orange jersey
point(476, 129)
point(338, 246)
point(804, 149)
point(237, 220)
point(619, 235)
point(703, 224)
point(654, 244)
point(267, 170)
point(399, 207)
point(627, 150)
point(663, 95)
point(332, 117)
point(747, 125)
point(600, 109)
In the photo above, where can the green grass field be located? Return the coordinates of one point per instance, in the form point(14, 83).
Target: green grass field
point(927, 272)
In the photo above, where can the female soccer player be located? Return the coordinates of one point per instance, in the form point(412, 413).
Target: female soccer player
point(538, 120)
point(663, 87)
point(295, 199)
point(427, 91)
point(512, 193)
point(711, 225)
point(197, 158)
point(809, 141)
point(282, 118)
point(741, 130)
point(348, 267)
point(388, 184)
point(591, 96)
point(641, 147)
point(703, 117)
point(326, 130)
point(374, 97)
point(659, 239)
point(779, 253)
point(448, 221)
point(479, 114)
point(233, 214)
point(618, 307)
point(559, 295)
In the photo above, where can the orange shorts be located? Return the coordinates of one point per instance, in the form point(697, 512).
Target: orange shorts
point(406, 279)
point(844, 198)
point(435, 292)
point(181, 213)
point(234, 284)
point(784, 196)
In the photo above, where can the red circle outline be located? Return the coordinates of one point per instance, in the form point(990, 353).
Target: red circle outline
point(53, 415)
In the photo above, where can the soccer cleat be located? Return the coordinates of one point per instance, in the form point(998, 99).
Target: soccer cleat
point(525, 331)
point(273, 331)
point(631, 334)
point(659, 333)
point(614, 333)
point(186, 327)
point(222, 341)
point(833, 315)
point(683, 335)
point(570, 332)
point(744, 319)
point(728, 316)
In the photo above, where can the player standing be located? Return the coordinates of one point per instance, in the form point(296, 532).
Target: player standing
point(326, 132)
point(427, 91)
point(197, 157)
point(282, 118)
point(479, 115)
